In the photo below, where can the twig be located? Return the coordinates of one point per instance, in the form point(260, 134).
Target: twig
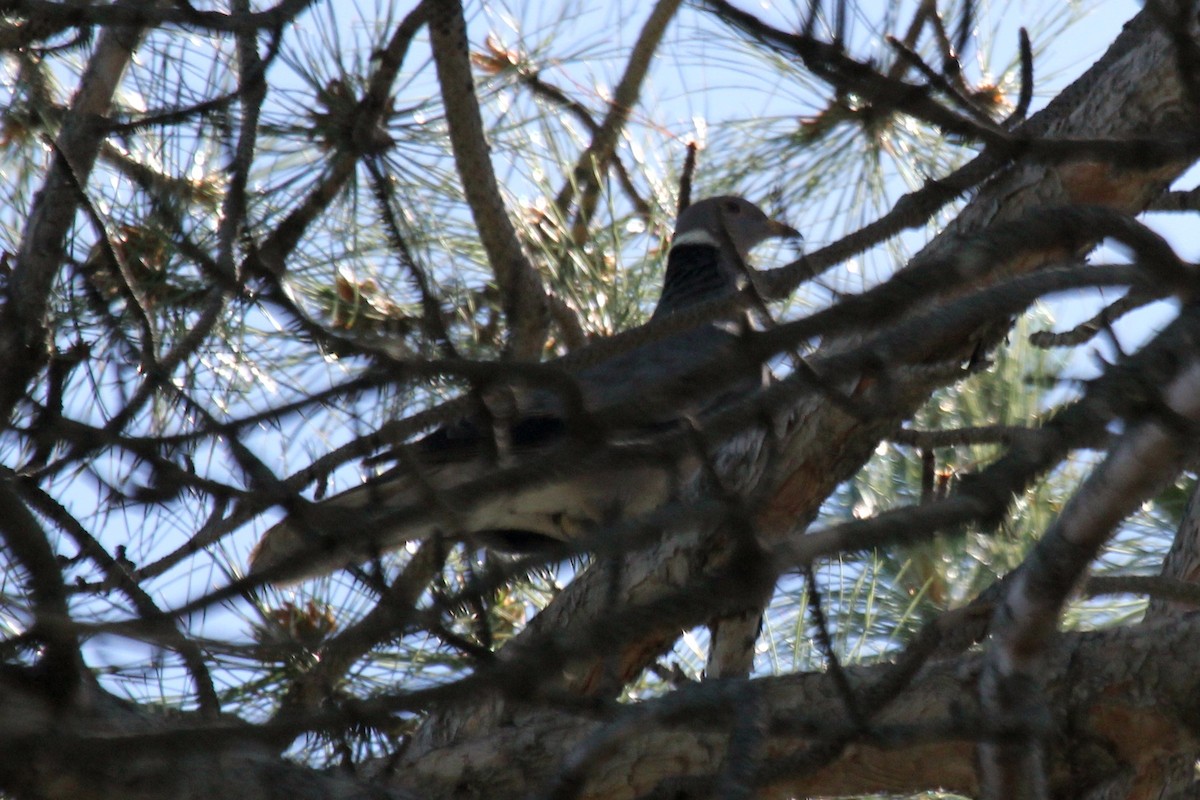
point(1102, 321)
point(43, 241)
point(955, 437)
point(116, 575)
point(391, 616)
point(434, 324)
point(685, 178)
point(1026, 96)
point(25, 539)
point(1156, 587)
point(274, 250)
point(940, 83)
point(594, 161)
point(549, 91)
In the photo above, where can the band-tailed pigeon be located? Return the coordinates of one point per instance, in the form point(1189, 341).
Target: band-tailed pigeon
point(441, 485)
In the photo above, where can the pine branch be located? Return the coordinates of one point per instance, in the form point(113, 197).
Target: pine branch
point(524, 296)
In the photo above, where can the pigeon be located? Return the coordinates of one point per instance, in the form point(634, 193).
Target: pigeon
point(451, 482)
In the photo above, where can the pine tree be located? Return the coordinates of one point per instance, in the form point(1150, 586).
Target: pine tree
point(252, 255)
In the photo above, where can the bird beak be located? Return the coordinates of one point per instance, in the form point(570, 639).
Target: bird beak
point(782, 231)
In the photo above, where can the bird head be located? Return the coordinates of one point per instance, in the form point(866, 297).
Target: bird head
point(709, 220)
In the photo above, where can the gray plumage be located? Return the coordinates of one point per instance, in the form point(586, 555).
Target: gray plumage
point(441, 486)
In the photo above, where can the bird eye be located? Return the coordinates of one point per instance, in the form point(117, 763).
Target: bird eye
point(733, 207)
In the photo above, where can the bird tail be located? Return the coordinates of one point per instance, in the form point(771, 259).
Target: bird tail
point(383, 514)
point(346, 529)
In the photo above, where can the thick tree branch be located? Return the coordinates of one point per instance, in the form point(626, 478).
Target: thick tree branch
point(520, 284)
point(923, 738)
point(69, 13)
